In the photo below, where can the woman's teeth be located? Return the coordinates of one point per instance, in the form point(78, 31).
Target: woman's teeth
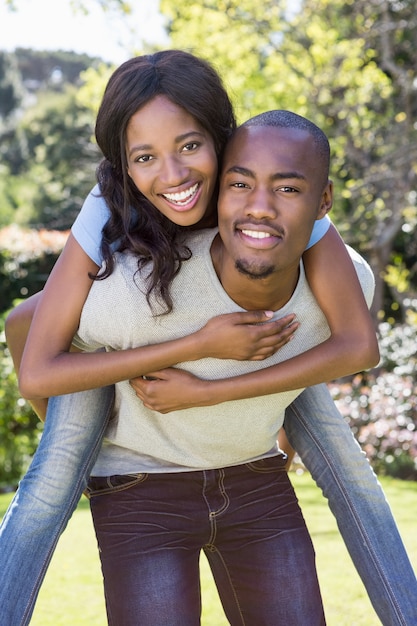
point(182, 197)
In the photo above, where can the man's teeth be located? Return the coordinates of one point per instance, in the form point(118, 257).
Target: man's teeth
point(182, 197)
point(256, 234)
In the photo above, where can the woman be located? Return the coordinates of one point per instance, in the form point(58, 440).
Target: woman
point(86, 431)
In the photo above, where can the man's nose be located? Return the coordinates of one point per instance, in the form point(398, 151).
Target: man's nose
point(262, 204)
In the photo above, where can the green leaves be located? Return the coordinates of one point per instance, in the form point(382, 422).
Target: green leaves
point(20, 429)
point(348, 66)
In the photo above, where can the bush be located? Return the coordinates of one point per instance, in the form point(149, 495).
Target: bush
point(20, 429)
point(26, 260)
point(382, 412)
point(397, 345)
point(381, 408)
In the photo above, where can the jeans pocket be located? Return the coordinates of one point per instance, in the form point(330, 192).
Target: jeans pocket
point(270, 464)
point(102, 485)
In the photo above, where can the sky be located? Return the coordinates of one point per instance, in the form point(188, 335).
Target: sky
point(53, 25)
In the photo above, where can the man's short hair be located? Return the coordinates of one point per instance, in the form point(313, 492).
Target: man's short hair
point(287, 119)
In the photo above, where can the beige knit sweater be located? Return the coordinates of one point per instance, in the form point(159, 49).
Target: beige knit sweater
point(117, 316)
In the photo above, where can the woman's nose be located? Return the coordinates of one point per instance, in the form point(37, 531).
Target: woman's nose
point(173, 171)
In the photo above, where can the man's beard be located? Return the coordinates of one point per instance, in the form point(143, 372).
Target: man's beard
point(253, 270)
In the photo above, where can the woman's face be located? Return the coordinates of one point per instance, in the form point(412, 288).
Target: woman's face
point(172, 161)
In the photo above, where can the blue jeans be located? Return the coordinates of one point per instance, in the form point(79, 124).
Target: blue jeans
point(50, 491)
point(47, 497)
point(151, 529)
point(335, 460)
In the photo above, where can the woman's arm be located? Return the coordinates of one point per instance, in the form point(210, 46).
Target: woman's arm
point(352, 346)
point(49, 368)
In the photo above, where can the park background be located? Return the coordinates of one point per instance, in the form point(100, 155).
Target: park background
point(351, 67)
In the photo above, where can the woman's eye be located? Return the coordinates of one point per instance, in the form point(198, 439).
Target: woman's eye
point(190, 146)
point(144, 158)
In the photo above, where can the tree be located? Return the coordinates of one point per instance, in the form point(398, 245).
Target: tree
point(11, 88)
point(62, 158)
point(49, 154)
point(349, 66)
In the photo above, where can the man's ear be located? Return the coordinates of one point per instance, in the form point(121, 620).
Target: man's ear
point(326, 202)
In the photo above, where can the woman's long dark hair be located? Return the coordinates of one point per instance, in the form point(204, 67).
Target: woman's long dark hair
point(134, 223)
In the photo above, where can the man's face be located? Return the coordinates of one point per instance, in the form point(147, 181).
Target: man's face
point(271, 192)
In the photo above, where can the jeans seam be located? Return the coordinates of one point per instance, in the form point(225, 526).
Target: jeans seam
point(219, 555)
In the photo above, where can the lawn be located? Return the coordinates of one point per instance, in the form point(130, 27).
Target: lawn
point(72, 591)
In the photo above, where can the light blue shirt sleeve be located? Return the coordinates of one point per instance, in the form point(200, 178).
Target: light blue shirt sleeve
point(89, 224)
point(320, 228)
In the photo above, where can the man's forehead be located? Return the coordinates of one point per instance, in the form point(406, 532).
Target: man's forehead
point(248, 134)
point(256, 141)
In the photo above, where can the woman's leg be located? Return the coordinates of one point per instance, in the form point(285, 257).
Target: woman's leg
point(328, 449)
point(47, 497)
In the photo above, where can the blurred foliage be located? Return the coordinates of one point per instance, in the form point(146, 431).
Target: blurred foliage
point(382, 413)
point(20, 429)
point(26, 260)
point(381, 406)
point(351, 68)
point(11, 87)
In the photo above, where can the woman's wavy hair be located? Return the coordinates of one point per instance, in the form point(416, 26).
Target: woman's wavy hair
point(134, 223)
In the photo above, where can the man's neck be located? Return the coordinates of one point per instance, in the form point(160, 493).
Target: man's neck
point(270, 293)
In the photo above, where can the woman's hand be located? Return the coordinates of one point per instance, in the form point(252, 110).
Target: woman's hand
point(171, 390)
point(245, 336)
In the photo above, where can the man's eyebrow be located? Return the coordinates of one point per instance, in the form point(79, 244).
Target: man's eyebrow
point(237, 169)
point(286, 175)
point(244, 171)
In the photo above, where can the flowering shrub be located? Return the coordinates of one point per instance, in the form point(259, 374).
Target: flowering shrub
point(381, 408)
point(398, 344)
point(382, 412)
point(26, 244)
point(26, 259)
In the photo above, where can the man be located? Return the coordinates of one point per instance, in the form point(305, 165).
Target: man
point(166, 487)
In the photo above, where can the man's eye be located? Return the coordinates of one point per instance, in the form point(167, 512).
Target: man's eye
point(287, 189)
point(239, 185)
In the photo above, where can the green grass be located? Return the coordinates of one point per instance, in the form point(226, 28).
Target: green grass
point(72, 592)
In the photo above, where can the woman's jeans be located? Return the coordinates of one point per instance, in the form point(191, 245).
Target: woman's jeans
point(47, 497)
point(49, 493)
point(151, 529)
